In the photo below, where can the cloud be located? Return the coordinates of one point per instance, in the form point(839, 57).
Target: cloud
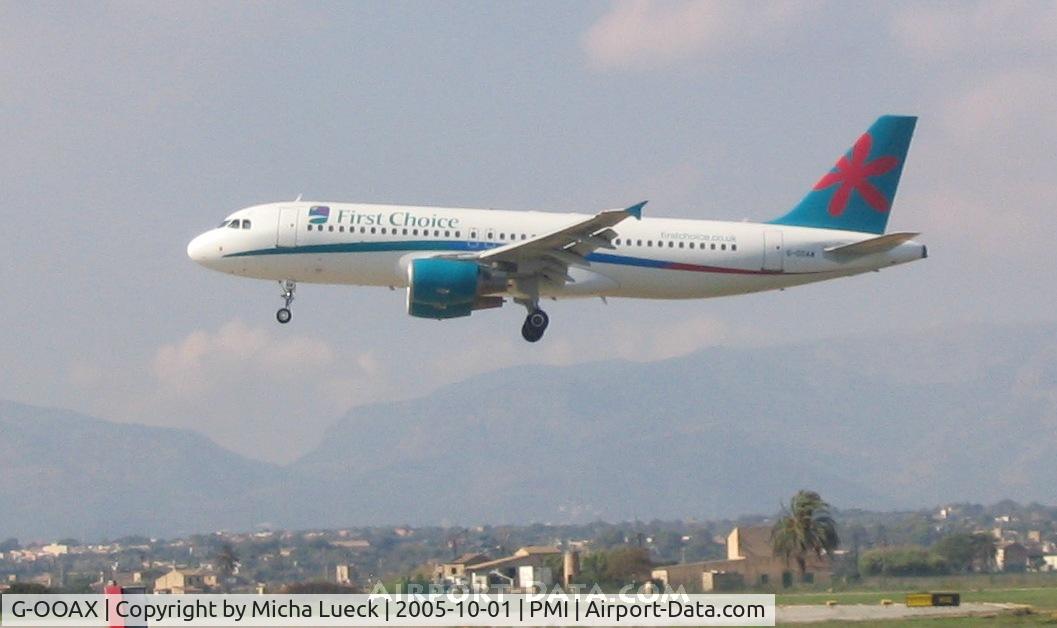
point(622, 339)
point(259, 390)
point(1018, 101)
point(640, 35)
point(673, 340)
point(950, 29)
point(206, 361)
point(981, 168)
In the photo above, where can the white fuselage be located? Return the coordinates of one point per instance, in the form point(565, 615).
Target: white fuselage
point(652, 258)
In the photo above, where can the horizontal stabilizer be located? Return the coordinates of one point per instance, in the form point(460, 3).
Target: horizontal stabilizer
point(873, 245)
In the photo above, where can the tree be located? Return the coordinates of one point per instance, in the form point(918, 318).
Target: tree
point(227, 561)
point(628, 564)
point(902, 561)
point(318, 587)
point(29, 588)
point(957, 550)
point(805, 528)
point(615, 567)
point(983, 550)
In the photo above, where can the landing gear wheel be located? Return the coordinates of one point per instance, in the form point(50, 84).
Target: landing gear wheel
point(284, 315)
point(535, 324)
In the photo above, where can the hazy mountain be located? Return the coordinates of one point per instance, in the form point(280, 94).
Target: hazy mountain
point(874, 422)
point(64, 474)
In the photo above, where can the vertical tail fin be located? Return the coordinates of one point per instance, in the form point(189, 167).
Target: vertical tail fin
point(857, 193)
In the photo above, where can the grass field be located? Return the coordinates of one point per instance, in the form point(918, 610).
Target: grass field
point(1042, 598)
point(956, 622)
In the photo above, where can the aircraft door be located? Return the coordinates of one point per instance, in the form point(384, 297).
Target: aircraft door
point(772, 250)
point(286, 234)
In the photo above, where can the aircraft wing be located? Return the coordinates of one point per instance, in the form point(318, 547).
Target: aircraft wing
point(552, 253)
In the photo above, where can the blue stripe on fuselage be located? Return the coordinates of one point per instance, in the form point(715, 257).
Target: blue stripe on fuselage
point(462, 245)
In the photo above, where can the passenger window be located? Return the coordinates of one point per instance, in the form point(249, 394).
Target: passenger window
point(383, 230)
point(680, 245)
point(733, 247)
point(649, 242)
point(447, 234)
point(405, 230)
point(372, 229)
point(713, 247)
point(691, 245)
point(723, 247)
point(330, 228)
point(457, 235)
point(309, 227)
point(671, 244)
point(524, 237)
point(473, 235)
point(414, 232)
point(341, 228)
point(502, 236)
point(638, 243)
point(436, 233)
point(491, 236)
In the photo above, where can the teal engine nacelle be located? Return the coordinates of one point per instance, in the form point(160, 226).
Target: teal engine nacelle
point(445, 288)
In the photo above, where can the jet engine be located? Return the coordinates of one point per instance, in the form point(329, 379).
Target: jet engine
point(445, 288)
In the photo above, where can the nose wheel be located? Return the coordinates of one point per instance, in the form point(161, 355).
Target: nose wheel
point(535, 324)
point(284, 314)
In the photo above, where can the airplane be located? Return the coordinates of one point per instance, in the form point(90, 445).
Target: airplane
point(455, 261)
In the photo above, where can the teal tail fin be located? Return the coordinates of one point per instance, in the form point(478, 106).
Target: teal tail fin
point(857, 193)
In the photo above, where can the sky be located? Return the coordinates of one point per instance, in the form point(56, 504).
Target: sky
point(131, 127)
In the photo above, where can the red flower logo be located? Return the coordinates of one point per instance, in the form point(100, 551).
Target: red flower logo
point(853, 175)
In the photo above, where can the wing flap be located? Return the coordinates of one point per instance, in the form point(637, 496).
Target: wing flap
point(569, 244)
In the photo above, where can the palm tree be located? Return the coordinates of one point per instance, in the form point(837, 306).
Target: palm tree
point(805, 528)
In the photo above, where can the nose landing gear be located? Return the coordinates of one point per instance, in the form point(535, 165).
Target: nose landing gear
point(284, 315)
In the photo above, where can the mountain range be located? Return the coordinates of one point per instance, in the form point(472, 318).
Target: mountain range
point(874, 421)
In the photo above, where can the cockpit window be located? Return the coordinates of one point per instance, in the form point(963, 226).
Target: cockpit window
point(223, 224)
point(234, 224)
point(245, 224)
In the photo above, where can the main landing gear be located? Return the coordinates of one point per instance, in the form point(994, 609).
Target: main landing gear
point(535, 323)
point(284, 315)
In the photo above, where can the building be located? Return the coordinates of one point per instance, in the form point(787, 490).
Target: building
point(341, 574)
point(352, 544)
point(1011, 557)
point(525, 570)
point(55, 549)
point(750, 562)
point(127, 578)
point(186, 581)
point(454, 572)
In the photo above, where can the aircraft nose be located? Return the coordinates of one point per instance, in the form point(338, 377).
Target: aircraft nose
point(197, 249)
